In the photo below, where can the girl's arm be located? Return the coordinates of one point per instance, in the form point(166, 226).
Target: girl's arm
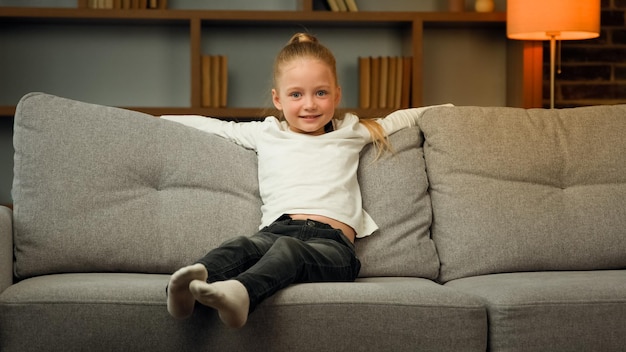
point(206, 124)
point(240, 133)
point(405, 118)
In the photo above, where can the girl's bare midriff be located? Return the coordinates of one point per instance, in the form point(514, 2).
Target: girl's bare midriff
point(347, 230)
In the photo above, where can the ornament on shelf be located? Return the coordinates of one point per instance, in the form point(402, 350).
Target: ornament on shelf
point(484, 5)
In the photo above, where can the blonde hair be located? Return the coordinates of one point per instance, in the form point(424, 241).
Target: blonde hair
point(305, 45)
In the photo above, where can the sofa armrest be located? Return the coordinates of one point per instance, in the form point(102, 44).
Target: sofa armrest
point(6, 248)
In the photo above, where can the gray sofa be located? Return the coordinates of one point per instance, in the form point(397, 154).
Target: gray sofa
point(501, 229)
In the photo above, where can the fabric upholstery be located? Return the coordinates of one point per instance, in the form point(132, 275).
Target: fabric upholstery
point(552, 311)
point(6, 248)
point(526, 190)
point(109, 201)
point(102, 189)
point(394, 314)
point(127, 192)
point(395, 194)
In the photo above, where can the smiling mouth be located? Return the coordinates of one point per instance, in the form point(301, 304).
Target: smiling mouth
point(310, 117)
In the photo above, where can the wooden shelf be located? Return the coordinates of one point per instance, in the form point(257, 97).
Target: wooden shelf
point(74, 40)
point(413, 23)
point(7, 111)
point(238, 114)
point(65, 14)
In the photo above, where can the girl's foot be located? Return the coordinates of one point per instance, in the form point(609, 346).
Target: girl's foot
point(230, 299)
point(180, 301)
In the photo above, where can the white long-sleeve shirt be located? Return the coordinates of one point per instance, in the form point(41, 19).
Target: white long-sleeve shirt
point(304, 174)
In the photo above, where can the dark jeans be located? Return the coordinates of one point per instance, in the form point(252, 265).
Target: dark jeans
point(288, 251)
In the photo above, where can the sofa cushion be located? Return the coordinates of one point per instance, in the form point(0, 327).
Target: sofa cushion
point(6, 247)
point(395, 194)
point(104, 189)
point(126, 312)
point(552, 311)
point(527, 190)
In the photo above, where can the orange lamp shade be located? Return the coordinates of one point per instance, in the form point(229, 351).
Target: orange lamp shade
point(563, 19)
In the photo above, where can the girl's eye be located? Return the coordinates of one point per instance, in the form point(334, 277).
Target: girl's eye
point(322, 93)
point(295, 95)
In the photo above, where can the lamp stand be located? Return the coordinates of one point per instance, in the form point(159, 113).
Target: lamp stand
point(552, 64)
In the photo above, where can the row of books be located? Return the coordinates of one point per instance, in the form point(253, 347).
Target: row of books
point(214, 80)
point(385, 82)
point(123, 4)
point(343, 5)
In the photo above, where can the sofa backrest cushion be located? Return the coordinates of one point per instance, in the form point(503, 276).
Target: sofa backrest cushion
point(395, 194)
point(102, 189)
point(527, 190)
point(105, 189)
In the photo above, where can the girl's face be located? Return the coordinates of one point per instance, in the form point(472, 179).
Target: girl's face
point(307, 95)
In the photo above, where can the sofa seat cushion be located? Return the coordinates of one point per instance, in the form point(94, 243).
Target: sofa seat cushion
point(104, 312)
point(552, 311)
point(526, 190)
point(101, 189)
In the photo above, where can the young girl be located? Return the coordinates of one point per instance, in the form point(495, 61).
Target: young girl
point(312, 212)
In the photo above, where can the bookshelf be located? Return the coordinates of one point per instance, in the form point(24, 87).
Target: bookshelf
point(150, 60)
point(199, 31)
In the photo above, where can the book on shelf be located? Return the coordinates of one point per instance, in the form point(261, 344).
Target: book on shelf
point(214, 71)
point(223, 81)
point(343, 5)
point(374, 82)
point(122, 4)
point(384, 82)
point(391, 83)
point(351, 5)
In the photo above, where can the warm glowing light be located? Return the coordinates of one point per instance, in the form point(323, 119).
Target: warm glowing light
point(552, 20)
point(565, 19)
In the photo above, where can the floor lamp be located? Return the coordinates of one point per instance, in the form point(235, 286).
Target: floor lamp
point(552, 20)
